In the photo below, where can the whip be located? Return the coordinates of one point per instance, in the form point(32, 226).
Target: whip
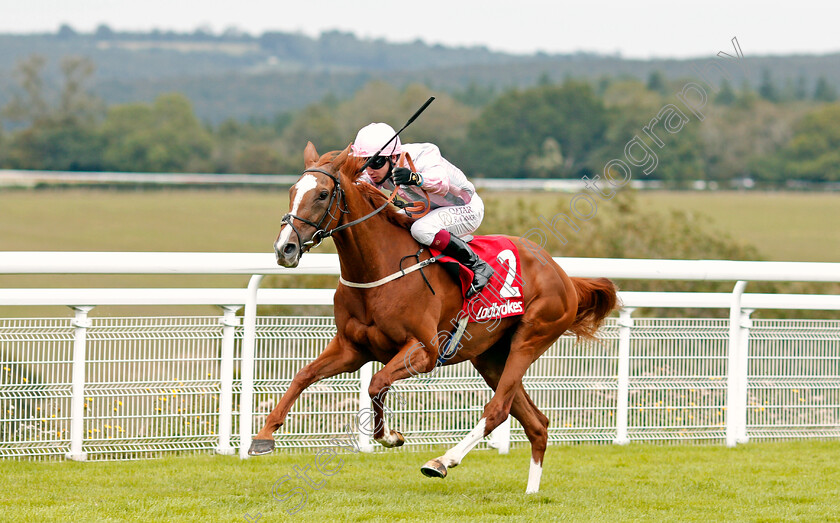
point(410, 120)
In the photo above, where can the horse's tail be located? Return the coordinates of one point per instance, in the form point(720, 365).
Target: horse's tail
point(597, 298)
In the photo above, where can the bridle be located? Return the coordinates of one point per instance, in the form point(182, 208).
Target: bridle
point(337, 196)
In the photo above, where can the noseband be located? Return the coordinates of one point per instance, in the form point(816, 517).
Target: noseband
point(337, 196)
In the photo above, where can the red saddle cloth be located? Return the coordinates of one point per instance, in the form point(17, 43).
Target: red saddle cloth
point(502, 297)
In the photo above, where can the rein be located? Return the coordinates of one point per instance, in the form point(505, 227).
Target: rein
point(337, 195)
point(416, 209)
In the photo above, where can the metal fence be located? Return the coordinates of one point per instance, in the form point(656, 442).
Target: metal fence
point(131, 388)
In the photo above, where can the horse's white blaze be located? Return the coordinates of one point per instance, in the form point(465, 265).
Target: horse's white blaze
point(454, 455)
point(303, 186)
point(534, 475)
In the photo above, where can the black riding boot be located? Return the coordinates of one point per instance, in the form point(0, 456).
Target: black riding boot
point(482, 272)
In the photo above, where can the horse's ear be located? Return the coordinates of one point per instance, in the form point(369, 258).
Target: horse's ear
point(341, 158)
point(310, 155)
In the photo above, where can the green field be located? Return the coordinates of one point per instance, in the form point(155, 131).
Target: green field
point(102, 220)
point(791, 481)
point(783, 226)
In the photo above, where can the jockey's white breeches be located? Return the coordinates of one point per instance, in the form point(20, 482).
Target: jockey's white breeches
point(460, 220)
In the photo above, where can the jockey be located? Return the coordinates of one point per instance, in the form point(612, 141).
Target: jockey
point(456, 209)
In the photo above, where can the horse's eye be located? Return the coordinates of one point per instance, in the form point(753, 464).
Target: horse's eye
point(323, 195)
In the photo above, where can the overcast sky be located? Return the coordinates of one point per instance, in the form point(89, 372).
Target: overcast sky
point(634, 28)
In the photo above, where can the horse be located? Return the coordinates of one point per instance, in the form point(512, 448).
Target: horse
point(387, 323)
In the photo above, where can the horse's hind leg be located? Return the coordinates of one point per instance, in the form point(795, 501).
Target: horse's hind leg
point(490, 365)
point(534, 422)
point(537, 432)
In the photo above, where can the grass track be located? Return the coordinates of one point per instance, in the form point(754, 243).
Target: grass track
point(790, 481)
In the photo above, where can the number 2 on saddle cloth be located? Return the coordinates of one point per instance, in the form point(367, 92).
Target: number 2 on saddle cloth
point(501, 298)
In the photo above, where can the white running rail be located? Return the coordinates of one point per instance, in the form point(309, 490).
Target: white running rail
point(738, 385)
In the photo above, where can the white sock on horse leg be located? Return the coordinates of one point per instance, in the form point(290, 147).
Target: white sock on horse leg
point(534, 475)
point(454, 455)
point(388, 439)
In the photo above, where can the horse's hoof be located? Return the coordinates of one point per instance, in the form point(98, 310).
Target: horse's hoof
point(396, 440)
point(434, 469)
point(260, 447)
point(400, 438)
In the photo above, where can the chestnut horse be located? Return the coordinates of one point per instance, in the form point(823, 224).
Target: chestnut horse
point(388, 323)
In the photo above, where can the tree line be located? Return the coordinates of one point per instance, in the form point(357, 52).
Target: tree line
point(772, 134)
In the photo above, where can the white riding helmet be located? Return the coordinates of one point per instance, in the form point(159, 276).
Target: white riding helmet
point(372, 137)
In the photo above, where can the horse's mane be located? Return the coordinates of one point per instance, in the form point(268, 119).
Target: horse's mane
point(350, 169)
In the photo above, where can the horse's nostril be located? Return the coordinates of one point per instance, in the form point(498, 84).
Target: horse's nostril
point(289, 249)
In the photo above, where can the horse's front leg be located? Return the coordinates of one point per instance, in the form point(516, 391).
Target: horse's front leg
point(339, 356)
point(411, 360)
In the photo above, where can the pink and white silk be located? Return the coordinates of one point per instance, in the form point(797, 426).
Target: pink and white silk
point(445, 184)
point(455, 205)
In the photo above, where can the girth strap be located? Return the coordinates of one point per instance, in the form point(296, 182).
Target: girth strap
point(392, 277)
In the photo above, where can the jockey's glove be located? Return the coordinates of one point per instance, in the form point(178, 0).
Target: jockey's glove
point(404, 176)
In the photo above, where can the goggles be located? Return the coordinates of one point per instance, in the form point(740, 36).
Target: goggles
point(378, 162)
